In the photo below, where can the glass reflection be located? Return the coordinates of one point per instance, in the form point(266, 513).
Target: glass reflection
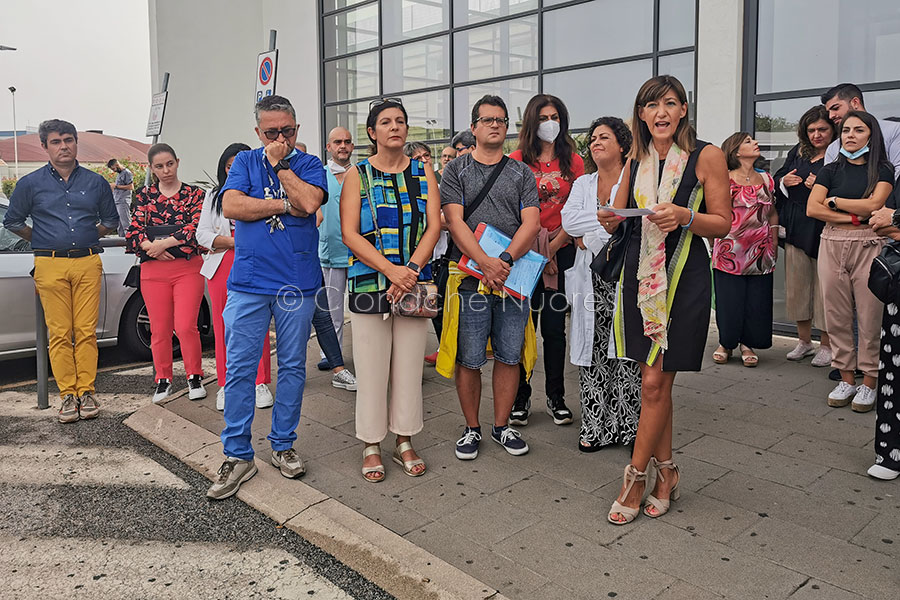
point(507, 48)
point(351, 31)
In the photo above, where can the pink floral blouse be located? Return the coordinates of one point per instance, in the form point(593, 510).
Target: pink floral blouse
point(750, 247)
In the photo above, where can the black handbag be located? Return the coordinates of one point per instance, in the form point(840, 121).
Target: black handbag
point(609, 262)
point(884, 274)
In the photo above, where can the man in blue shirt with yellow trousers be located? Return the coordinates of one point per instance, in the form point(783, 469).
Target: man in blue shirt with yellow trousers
point(272, 193)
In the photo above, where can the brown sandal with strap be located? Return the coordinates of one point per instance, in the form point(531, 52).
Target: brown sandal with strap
point(632, 475)
point(662, 506)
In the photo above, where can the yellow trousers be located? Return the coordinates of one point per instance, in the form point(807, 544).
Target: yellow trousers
point(70, 292)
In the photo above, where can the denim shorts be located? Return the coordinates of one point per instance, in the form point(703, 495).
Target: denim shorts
point(482, 316)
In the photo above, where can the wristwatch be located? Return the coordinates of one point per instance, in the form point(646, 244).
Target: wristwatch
point(506, 257)
point(281, 165)
point(413, 266)
point(831, 204)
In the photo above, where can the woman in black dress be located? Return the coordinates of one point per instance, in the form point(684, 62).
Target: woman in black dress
point(662, 313)
point(793, 183)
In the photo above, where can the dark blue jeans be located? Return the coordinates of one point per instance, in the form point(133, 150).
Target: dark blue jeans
point(328, 340)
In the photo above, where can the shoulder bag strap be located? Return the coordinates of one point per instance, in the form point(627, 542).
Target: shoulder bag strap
point(364, 177)
point(470, 208)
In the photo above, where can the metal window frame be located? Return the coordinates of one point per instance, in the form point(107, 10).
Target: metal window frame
point(654, 55)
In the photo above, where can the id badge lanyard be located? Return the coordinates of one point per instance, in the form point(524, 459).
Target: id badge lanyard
point(274, 222)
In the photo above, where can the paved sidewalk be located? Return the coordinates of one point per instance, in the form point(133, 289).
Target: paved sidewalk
point(775, 500)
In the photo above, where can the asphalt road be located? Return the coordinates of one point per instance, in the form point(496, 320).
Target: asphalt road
point(91, 509)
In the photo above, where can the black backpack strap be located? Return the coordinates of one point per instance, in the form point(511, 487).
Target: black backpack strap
point(470, 208)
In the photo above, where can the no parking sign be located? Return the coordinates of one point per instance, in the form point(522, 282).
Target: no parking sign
point(265, 74)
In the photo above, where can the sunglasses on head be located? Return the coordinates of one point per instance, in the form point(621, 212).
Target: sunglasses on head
point(272, 134)
point(381, 101)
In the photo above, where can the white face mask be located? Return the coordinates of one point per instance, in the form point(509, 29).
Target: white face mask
point(548, 130)
point(335, 168)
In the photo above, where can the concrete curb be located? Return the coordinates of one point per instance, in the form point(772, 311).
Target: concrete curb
point(396, 565)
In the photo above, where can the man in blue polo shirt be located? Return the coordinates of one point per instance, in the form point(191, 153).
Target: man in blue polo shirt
point(273, 194)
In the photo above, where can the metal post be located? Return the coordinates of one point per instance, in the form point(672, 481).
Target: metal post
point(273, 33)
point(165, 87)
point(15, 133)
point(43, 359)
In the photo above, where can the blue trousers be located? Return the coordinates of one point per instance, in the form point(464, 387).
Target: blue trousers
point(325, 334)
point(247, 318)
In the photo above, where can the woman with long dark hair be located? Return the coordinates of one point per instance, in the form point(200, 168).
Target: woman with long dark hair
point(845, 195)
point(610, 388)
point(662, 311)
point(216, 233)
point(793, 183)
point(744, 260)
point(163, 234)
point(549, 151)
point(390, 221)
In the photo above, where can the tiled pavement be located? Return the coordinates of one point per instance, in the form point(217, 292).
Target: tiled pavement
point(775, 503)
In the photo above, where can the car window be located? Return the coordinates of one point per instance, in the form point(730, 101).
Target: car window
point(10, 242)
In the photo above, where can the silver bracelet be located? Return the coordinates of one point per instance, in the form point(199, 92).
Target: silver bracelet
point(287, 205)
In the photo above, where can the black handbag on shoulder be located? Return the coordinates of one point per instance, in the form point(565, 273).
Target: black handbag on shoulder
point(609, 262)
point(884, 274)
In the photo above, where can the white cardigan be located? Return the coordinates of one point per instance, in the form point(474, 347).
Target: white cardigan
point(211, 224)
point(579, 219)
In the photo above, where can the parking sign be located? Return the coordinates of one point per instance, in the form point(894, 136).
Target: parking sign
point(265, 74)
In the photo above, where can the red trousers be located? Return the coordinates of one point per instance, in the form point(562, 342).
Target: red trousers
point(218, 295)
point(173, 291)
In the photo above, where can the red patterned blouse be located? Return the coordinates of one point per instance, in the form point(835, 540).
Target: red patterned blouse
point(152, 209)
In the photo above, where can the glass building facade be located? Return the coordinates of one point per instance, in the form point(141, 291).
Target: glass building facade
point(440, 56)
point(785, 73)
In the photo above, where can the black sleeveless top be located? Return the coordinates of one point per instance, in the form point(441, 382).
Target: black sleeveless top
point(689, 317)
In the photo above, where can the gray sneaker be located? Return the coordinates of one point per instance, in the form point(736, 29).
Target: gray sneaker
point(68, 412)
point(344, 379)
point(90, 408)
point(288, 462)
point(232, 474)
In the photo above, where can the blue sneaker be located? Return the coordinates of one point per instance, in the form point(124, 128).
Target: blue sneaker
point(323, 365)
point(510, 439)
point(467, 445)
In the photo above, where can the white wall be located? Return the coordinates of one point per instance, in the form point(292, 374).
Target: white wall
point(210, 49)
point(719, 57)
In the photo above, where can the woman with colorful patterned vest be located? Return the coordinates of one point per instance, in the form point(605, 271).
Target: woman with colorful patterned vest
point(663, 300)
point(390, 221)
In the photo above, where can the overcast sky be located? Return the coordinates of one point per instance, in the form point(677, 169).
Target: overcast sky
point(85, 61)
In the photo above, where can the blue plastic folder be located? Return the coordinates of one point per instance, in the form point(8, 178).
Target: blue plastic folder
point(523, 277)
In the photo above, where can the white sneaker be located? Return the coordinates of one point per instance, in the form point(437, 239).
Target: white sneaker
point(879, 472)
point(822, 357)
point(344, 380)
point(864, 400)
point(196, 391)
point(801, 351)
point(841, 394)
point(264, 397)
point(163, 389)
point(220, 399)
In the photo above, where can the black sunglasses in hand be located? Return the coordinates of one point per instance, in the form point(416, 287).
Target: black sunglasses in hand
point(287, 132)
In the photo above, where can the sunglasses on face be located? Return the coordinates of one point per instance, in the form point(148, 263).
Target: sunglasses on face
point(272, 134)
point(381, 101)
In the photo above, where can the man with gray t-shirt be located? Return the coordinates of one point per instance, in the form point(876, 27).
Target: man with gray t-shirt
point(512, 206)
point(121, 189)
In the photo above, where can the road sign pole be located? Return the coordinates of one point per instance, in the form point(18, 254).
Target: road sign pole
point(43, 359)
point(165, 88)
point(273, 33)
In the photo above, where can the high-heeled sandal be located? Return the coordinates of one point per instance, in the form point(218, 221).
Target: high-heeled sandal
point(750, 360)
point(662, 506)
point(408, 464)
point(373, 474)
point(720, 357)
point(631, 476)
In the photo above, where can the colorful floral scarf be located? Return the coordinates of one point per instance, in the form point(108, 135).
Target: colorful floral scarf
point(651, 272)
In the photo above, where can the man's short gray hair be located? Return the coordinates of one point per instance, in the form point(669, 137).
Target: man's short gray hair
point(274, 103)
point(412, 148)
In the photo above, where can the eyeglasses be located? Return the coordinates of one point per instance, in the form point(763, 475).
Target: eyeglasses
point(272, 134)
point(381, 101)
point(488, 121)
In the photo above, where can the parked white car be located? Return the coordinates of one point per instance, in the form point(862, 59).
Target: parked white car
point(123, 315)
